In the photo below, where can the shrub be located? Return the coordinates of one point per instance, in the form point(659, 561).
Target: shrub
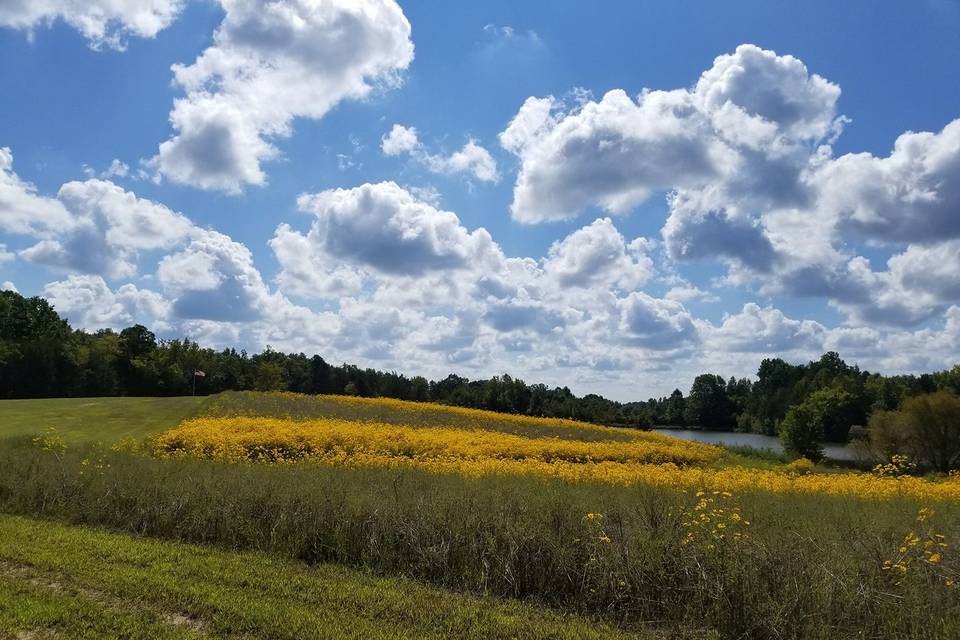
point(802, 431)
point(926, 429)
point(800, 467)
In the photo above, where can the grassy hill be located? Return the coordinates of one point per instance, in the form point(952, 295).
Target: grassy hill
point(95, 419)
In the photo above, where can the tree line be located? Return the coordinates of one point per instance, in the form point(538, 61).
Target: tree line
point(42, 356)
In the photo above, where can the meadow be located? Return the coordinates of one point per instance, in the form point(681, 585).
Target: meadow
point(639, 532)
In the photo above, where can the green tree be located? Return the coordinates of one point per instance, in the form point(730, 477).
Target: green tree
point(801, 432)
point(709, 404)
point(676, 409)
point(268, 377)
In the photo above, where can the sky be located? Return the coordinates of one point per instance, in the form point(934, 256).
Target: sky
point(610, 196)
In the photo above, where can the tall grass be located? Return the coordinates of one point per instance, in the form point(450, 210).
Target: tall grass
point(806, 566)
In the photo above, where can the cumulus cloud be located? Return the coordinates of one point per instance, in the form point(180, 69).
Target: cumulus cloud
point(272, 62)
point(22, 209)
point(6, 285)
point(759, 329)
point(745, 157)
point(743, 124)
point(911, 195)
point(609, 154)
point(214, 278)
point(385, 228)
point(88, 302)
point(105, 23)
point(597, 255)
point(106, 228)
point(655, 323)
point(400, 140)
point(472, 159)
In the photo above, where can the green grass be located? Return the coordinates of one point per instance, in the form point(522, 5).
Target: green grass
point(89, 583)
point(810, 568)
point(95, 419)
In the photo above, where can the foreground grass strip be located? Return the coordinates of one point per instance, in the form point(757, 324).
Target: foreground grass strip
point(95, 419)
point(232, 594)
point(31, 610)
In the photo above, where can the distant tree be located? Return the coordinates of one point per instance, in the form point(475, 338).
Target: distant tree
point(268, 377)
point(949, 380)
point(37, 348)
point(676, 409)
point(708, 404)
point(350, 389)
point(772, 394)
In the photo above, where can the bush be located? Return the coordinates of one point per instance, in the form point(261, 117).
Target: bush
point(800, 467)
point(802, 432)
point(926, 429)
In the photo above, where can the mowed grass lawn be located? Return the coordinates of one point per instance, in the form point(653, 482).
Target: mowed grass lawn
point(95, 419)
point(78, 582)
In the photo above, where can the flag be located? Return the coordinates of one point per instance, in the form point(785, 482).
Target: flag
point(199, 374)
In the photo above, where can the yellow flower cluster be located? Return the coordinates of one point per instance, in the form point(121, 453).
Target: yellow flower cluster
point(923, 547)
point(273, 440)
point(649, 459)
point(50, 440)
point(714, 520)
point(899, 465)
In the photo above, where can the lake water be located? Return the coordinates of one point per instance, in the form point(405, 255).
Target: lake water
point(755, 440)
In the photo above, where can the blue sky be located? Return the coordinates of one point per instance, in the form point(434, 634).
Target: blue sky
point(393, 185)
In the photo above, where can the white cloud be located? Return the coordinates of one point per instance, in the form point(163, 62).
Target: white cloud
point(472, 159)
point(214, 278)
point(383, 227)
point(117, 169)
point(6, 285)
point(597, 255)
point(107, 228)
point(307, 272)
point(911, 195)
point(655, 323)
point(774, 93)
point(745, 125)
point(269, 64)
point(88, 302)
point(687, 292)
point(22, 210)
point(759, 329)
point(400, 140)
point(609, 154)
point(105, 23)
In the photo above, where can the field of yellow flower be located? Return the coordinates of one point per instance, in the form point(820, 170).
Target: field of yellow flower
point(463, 444)
point(336, 440)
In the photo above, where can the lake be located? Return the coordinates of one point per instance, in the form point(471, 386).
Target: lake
point(757, 441)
